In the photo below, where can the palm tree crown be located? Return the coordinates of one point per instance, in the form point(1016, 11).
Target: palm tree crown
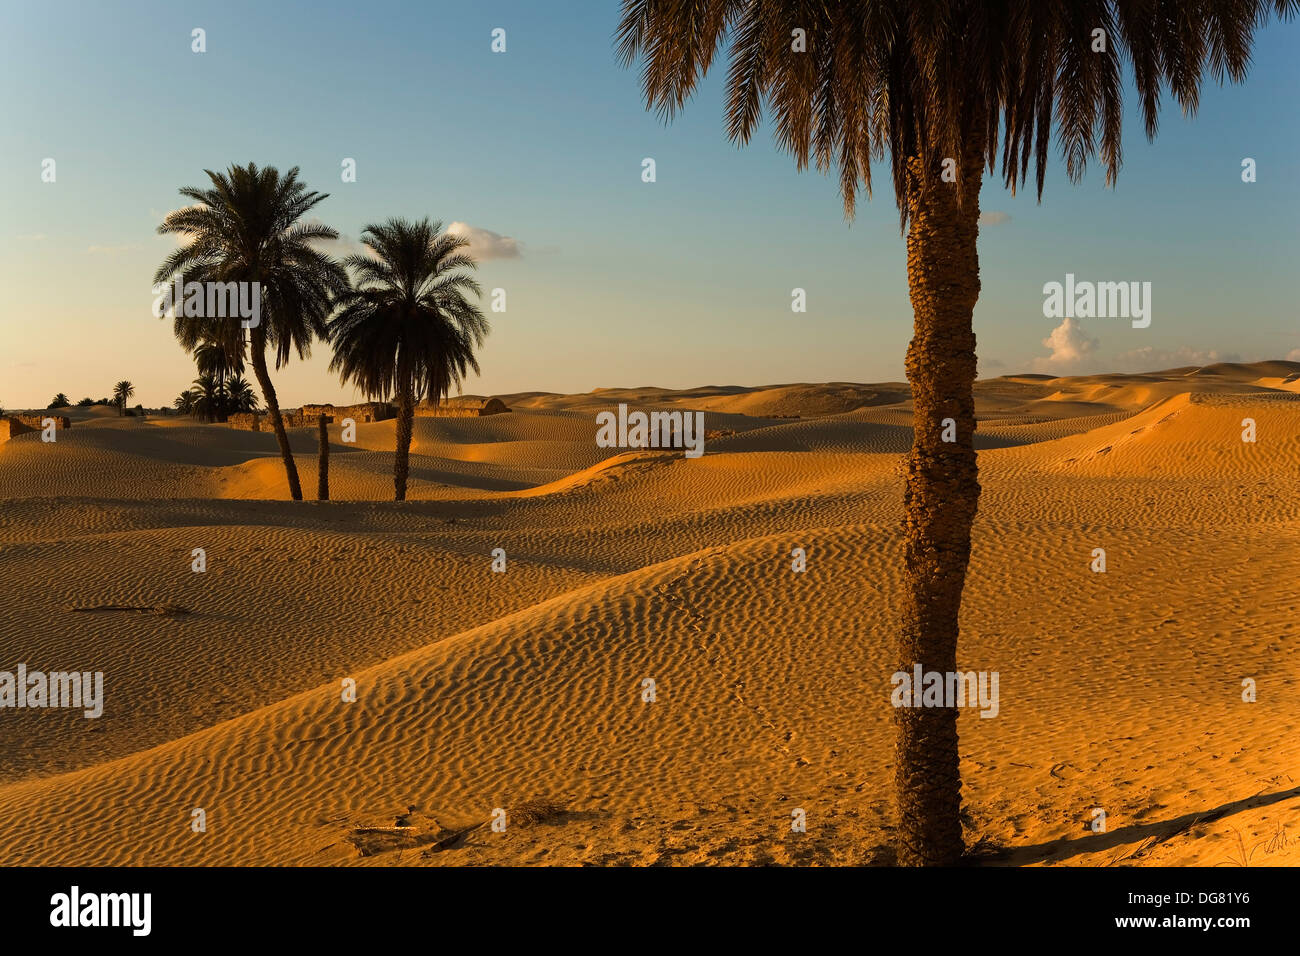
point(212, 358)
point(940, 79)
point(408, 307)
point(240, 395)
point(246, 228)
point(207, 397)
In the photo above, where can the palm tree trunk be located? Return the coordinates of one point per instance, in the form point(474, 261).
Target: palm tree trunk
point(257, 346)
point(940, 501)
point(405, 418)
point(323, 469)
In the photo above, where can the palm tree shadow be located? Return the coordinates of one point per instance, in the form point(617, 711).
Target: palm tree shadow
point(1054, 851)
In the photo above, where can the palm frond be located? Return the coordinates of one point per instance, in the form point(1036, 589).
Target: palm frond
point(927, 80)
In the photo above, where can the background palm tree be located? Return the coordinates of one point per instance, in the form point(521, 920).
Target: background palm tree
point(220, 361)
point(248, 228)
point(207, 397)
point(934, 85)
point(407, 329)
point(59, 401)
point(240, 396)
point(184, 402)
point(121, 392)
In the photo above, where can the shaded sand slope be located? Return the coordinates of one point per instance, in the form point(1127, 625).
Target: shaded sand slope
point(480, 690)
point(112, 459)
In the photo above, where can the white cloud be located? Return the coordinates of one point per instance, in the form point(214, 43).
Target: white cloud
point(1070, 345)
point(343, 246)
point(110, 250)
point(485, 244)
point(994, 218)
point(33, 237)
point(1293, 355)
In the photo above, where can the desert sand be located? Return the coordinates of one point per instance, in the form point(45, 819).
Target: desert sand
point(479, 690)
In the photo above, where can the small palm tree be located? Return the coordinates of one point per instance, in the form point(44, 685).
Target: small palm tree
point(59, 401)
point(248, 228)
point(184, 402)
point(209, 397)
point(407, 329)
point(240, 396)
point(222, 362)
point(121, 392)
point(933, 84)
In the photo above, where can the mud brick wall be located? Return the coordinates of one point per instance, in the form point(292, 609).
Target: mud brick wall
point(36, 421)
point(362, 412)
point(10, 427)
point(462, 408)
point(14, 425)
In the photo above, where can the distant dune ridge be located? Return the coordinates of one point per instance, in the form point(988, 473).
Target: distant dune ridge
point(479, 690)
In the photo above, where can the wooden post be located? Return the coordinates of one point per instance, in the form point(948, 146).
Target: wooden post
point(323, 472)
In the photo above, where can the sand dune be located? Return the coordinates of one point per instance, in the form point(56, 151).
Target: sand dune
point(480, 690)
point(1193, 434)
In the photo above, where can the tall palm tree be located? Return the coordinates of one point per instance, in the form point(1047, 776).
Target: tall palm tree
point(121, 392)
point(407, 328)
point(248, 228)
point(933, 84)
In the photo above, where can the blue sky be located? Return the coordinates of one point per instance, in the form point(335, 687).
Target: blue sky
point(681, 282)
